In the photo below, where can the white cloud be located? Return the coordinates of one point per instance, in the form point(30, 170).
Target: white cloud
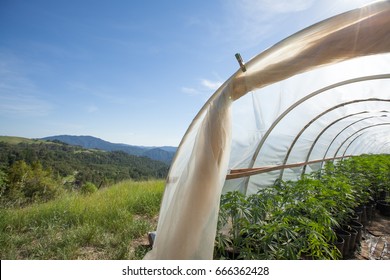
point(205, 87)
point(212, 85)
point(190, 91)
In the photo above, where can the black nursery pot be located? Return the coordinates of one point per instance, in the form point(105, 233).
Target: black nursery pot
point(362, 212)
point(352, 240)
point(383, 207)
point(359, 228)
point(347, 238)
point(339, 243)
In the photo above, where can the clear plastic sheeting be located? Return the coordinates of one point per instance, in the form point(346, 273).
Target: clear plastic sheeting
point(292, 136)
point(191, 200)
point(320, 94)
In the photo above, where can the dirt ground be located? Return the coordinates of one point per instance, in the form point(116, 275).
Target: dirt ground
point(376, 240)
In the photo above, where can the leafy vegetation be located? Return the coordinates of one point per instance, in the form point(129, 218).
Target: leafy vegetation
point(54, 206)
point(101, 225)
point(64, 159)
point(25, 184)
point(37, 171)
point(297, 220)
point(164, 154)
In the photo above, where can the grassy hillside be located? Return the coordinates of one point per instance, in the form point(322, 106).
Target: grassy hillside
point(103, 225)
point(16, 140)
point(164, 154)
point(98, 167)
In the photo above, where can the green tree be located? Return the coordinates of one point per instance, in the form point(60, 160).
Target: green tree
point(29, 183)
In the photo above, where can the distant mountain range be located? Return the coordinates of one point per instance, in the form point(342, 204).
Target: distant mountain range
point(164, 154)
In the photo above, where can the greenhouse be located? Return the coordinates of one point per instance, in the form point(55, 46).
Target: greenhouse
point(309, 103)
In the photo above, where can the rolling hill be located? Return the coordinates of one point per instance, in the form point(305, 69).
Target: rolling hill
point(164, 154)
point(92, 164)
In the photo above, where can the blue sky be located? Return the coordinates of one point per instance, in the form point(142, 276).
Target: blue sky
point(133, 72)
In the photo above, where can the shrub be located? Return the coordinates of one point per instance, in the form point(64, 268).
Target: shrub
point(26, 184)
point(88, 188)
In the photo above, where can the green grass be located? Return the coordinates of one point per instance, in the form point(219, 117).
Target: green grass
point(103, 225)
point(17, 140)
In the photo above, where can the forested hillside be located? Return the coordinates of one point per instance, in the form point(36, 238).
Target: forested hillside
point(37, 170)
point(164, 154)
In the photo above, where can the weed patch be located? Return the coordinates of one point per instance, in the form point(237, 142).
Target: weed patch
point(100, 225)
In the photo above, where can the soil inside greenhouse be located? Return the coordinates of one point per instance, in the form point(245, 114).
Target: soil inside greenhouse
point(376, 240)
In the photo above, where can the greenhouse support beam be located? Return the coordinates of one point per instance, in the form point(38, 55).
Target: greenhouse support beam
point(376, 142)
point(353, 134)
point(368, 138)
point(331, 124)
point(325, 129)
point(247, 172)
point(318, 136)
point(315, 119)
point(334, 139)
point(300, 101)
point(350, 143)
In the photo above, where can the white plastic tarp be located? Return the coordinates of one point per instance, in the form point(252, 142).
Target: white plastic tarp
point(321, 93)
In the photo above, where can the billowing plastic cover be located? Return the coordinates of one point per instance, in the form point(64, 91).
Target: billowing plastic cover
point(319, 94)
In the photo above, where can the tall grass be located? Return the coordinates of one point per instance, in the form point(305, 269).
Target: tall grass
point(97, 226)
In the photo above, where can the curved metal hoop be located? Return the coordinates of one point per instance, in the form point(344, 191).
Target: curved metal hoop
point(353, 134)
point(319, 135)
point(345, 128)
point(316, 118)
point(359, 136)
point(296, 104)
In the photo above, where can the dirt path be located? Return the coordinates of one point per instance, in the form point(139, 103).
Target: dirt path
point(376, 240)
